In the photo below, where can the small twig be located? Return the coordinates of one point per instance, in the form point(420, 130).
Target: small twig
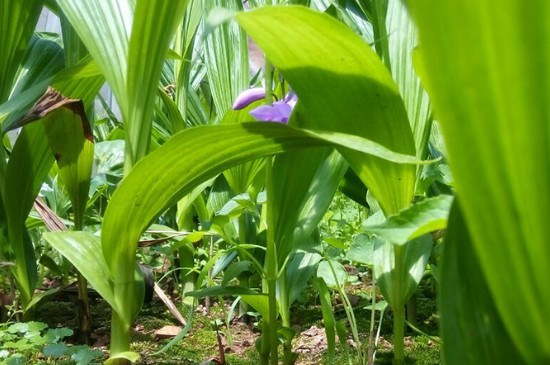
point(170, 305)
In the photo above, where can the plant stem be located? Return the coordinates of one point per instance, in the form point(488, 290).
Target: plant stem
point(399, 308)
point(271, 267)
point(82, 302)
point(398, 335)
point(120, 338)
point(370, 352)
point(244, 277)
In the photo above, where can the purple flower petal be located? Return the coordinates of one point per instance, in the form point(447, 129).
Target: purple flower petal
point(278, 112)
point(291, 99)
point(248, 97)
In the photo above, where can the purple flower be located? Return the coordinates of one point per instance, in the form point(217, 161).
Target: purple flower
point(248, 97)
point(278, 112)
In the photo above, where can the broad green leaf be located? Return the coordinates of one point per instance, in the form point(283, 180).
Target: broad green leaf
point(226, 57)
point(185, 161)
point(471, 325)
point(83, 250)
point(71, 142)
point(402, 40)
point(43, 59)
point(298, 271)
point(304, 185)
point(486, 73)
point(28, 166)
point(104, 27)
point(131, 64)
point(342, 87)
point(17, 21)
point(333, 276)
point(81, 81)
point(361, 250)
point(423, 217)
point(398, 280)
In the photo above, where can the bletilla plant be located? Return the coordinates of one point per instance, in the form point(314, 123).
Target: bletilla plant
point(360, 106)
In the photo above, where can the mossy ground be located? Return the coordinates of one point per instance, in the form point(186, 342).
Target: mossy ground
point(201, 343)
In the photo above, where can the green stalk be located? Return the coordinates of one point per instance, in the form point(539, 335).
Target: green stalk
point(370, 351)
point(244, 277)
point(120, 339)
point(399, 309)
point(348, 308)
point(271, 250)
point(82, 302)
point(284, 310)
point(271, 268)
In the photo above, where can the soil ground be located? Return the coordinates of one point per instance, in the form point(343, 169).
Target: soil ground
point(201, 346)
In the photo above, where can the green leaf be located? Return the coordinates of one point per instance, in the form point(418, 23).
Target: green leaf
point(399, 280)
point(257, 300)
point(332, 279)
point(149, 43)
point(226, 57)
point(128, 355)
point(17, 21)
point(304, 183)
point(328, 316)
point(56, 350)
point(470, 321)
point(222, 290)
point(423, 217)
point(83, 250)
point(493, 111)
point(298, 271)
point(37, 298)
point(402, 40)
point(85, 356)
point(71, 142)
point(28, 166)
point(342, 87)
point(43, 59)
point(234, 270)
point(104, 27)
point(361, 250)
point(173, 170)
point(131, 64)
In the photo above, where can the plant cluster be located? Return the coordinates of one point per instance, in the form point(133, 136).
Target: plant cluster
point(237, 136)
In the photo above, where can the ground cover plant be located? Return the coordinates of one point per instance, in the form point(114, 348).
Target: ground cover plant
point(307, 181)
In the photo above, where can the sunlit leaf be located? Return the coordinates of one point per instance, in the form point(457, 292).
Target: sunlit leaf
point(423, 217)
point(485, 71)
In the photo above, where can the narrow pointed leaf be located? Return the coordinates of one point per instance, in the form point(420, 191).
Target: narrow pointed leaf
point(147, 50)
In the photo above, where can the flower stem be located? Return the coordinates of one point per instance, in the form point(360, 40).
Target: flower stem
point(271, 267)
